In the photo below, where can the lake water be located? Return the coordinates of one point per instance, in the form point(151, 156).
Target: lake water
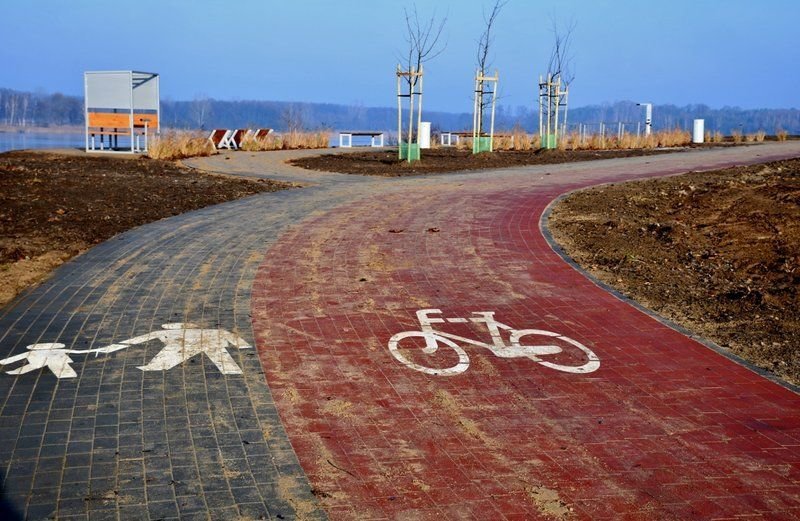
point(19, 141)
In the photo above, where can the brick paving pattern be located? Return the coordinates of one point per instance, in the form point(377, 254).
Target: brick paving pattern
point(665, 428)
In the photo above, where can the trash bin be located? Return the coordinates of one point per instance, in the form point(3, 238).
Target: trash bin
point(424, 134)
point(698, 131)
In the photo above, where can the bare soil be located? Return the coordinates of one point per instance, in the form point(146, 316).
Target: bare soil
point(385, 163)
point(717, 252)
point(54, 206)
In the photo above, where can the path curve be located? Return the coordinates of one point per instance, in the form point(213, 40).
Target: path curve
point(665, 428)
point(191, 442)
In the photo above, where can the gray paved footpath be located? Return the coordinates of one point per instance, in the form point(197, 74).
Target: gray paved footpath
point(116, 442)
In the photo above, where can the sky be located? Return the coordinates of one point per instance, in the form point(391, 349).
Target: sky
point(716, 52)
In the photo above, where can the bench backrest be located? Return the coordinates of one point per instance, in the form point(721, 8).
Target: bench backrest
point(217, 135)
point(238, 136)
point(121, 120)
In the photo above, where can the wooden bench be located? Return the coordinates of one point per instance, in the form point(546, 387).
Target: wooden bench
point(261, 133)
point(115, 124)
point(238, 137)
point(446, 138)
point(372, 138)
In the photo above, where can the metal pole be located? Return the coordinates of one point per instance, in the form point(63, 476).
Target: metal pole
point(158, 106)
point(86, 110)
point(540, 109)
point(130, 86)
point(648, 116)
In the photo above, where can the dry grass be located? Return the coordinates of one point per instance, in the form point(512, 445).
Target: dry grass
point(519, 140)
point(756, 137)
point(736, 135)
point(180, 145)
point(781, 134)
point(287, 141)
point(667, 138)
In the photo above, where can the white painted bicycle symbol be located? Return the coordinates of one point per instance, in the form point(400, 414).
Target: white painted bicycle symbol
point(457, 361)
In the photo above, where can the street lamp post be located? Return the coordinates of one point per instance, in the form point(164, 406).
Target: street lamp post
point(648, 116)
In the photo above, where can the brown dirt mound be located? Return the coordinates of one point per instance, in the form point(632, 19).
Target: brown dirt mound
point(717, 252)
point(54, 206)
point(440, 160)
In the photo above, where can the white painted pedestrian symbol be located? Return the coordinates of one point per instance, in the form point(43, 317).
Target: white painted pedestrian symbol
point(182, 341)
point(54, 356)
point(457, 361)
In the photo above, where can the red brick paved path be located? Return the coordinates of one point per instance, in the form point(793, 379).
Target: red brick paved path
point(666, 428)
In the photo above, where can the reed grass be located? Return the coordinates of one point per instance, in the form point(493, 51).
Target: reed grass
point(520, 140)
point(781, 135)
point(179, 145)
point(287, 141)
point(736, 136)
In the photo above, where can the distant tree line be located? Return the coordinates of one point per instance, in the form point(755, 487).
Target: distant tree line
point(43, 110)
point(27, 109)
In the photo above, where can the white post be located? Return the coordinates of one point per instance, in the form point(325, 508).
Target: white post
point(86, 111)
point(399, 115)
point(412, 82)
point(494, 97)
point(419, 107)
point(475, 109)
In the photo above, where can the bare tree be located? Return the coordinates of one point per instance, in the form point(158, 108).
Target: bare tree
point(554, 91)
point(423, 39)
point(486, 40)
point(200, 110)
point(560, 64)
point(293, 118)
point(484, 58)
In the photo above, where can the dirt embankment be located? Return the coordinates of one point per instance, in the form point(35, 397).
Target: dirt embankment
point(385, 163)
point(54, 206)
point(718, 252)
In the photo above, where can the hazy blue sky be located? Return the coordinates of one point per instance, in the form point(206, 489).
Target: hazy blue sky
point(718, 52)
